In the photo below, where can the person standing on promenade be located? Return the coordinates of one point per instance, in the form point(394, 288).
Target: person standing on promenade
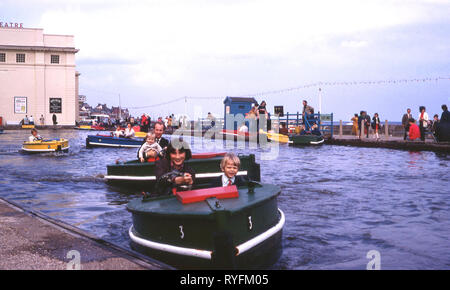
point(365, 119)
point(42, 120)
point(423, 122)
point(307, 110)
point(376, 126)
point(355, 124)
point(445, 116)
point(54, 120)
point(434, 123)
point(405, 122)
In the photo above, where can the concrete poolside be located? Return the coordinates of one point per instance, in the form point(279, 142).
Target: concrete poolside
point(31, 241)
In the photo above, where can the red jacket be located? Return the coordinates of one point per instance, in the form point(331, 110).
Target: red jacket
point(414, 132)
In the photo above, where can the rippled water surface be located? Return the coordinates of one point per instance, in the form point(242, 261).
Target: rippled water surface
point(339, 202)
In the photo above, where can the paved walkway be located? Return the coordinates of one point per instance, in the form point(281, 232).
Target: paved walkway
point(29, 241)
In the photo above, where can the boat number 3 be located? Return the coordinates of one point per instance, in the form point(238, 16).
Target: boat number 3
point(250, 225)
point(181, 231)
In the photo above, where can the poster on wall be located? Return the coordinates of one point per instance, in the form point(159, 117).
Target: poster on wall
point(55, 105)
point(20, 105)
point(279, 111)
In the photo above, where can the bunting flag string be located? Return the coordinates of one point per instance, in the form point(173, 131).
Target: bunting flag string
point(353, 83)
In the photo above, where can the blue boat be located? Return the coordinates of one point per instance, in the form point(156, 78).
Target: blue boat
point(110, 141)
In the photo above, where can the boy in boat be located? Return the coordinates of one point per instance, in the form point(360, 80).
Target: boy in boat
point(150, 149)
point(229, 165)
point(34, 136)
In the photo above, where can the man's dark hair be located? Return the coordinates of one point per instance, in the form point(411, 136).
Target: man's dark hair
point(444, 107)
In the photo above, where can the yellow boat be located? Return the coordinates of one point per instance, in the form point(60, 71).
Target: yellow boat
point(27, 126)
point(140, 134)
point(275, 137)
point(44, 146)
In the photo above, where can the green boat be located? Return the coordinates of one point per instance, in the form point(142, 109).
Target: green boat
point(307, 139)
point(206, 166)
point(242, 232)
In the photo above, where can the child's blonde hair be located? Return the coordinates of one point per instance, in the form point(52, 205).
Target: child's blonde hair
point(232, 158)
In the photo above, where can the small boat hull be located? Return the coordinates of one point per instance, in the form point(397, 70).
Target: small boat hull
point(306, 140)
point(109, 141)
point(242, 233)
point(46, 146)
point(28, 126)
point(89, 127)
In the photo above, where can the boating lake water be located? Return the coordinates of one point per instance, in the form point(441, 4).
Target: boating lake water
point(339, 202)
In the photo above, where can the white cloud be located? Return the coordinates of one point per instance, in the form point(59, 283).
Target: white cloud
point(166, 38)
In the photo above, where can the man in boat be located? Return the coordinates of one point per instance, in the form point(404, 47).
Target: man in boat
point(34, 136)
point(230, 165)
point(159, 130)
point(172, 173)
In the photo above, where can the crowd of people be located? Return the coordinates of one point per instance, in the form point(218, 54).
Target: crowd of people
point(414, 129)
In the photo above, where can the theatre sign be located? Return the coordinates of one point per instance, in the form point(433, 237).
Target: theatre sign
point(10, 25)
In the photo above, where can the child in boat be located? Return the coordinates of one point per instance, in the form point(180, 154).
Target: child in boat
point(150, 149)
point(129, 132)
point(118, 133)
point(34, 136)
point(230, 165)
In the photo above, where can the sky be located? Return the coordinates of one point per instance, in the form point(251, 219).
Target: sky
point(153, 52)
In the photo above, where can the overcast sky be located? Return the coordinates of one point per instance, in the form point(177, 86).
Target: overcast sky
point(151, 52)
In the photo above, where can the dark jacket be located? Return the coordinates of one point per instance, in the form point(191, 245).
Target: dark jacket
point(405, 120)
point(163, 142)
point(238, 181)
point(374, 123)
point(162, 167)
point(445, 117)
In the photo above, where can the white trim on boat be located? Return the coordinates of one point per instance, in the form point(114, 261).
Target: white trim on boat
point(45, 150)
point(114, 145)
point(197, 175)
point(318, 142)
point(205, 254)
point(242, 248)
point(169, 248)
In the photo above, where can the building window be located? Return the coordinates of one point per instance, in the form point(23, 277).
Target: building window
point(20, 57)
point(54, 59)
point(2, 57)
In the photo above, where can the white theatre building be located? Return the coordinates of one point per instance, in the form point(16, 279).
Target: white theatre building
point(37, 76)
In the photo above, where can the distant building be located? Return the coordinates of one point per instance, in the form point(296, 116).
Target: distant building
point(37, 76)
